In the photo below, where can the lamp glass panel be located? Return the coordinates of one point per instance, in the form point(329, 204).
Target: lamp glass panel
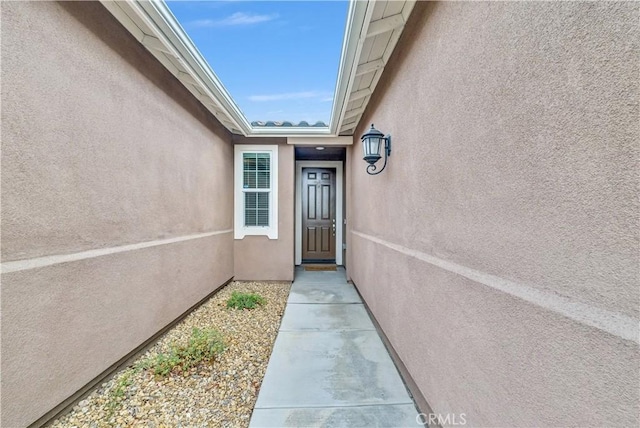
point(371, 146)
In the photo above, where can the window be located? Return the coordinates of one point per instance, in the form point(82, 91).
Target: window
point(256, 185)
point(256, 170)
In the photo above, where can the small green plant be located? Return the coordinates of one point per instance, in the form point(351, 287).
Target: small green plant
point(117, 394)
point(203, 345)
point(244, 300)
point(163, 364)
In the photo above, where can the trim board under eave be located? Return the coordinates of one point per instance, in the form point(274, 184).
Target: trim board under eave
point(318, 140)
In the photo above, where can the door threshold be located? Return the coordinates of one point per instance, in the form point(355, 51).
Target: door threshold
point(319, 262)
point(319, 267)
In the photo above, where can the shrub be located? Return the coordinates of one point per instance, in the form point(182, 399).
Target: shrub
point(203, 345)
point(244, 300)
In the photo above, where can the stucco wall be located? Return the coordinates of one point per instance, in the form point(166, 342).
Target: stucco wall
point(499, 249)
point(261, 258)
point(108, 159)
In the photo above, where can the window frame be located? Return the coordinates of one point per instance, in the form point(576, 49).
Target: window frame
point(240, 230)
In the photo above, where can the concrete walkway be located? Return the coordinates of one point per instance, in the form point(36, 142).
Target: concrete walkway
point(329, 367)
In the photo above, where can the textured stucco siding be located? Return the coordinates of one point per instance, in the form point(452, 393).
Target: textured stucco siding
point(499, 249)
point(108, 159)
point(261, 258)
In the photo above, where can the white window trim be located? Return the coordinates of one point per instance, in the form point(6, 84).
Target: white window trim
point(240, 230)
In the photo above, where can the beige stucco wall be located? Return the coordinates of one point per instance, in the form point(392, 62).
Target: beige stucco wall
point(261, 258)
point(499, 249)
point(102, 149)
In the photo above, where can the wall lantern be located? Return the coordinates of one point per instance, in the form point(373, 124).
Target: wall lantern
point(371, 144)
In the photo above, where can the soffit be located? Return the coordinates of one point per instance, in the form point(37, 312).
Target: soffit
point(372, 31)
point(329, 153)
point(380, 34)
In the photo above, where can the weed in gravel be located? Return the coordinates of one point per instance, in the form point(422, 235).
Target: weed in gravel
point(245, 300)
point(117, 394)
point(203, 345)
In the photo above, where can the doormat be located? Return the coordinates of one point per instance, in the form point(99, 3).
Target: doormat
point(320, 267)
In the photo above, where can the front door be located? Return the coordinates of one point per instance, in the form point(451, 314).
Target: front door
point(318, 214)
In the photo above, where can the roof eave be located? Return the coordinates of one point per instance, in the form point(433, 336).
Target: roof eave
point(155, 27)
point(357, 20)
point(384, 22)
point(292, 131)
point(153, 24)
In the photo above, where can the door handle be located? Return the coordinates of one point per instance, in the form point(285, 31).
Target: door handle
point(334, 226)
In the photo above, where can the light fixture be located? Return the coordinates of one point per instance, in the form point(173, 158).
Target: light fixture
point(371, 142)
point(319, 148)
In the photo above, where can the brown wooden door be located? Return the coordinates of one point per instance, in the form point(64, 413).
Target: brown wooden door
point(319, 214)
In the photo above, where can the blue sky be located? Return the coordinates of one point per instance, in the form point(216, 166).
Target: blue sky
point(278, 59)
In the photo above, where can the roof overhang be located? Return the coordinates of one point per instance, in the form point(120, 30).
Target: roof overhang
point(372, 31)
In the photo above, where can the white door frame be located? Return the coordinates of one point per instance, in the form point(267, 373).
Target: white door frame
point(339, 212)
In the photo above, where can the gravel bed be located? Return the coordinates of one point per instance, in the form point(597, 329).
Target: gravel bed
point(218, 394)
